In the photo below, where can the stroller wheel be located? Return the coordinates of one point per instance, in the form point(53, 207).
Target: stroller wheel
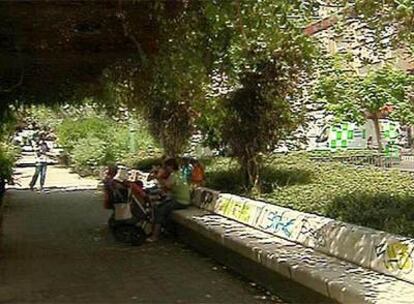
point(111, 222)
point(129, 234)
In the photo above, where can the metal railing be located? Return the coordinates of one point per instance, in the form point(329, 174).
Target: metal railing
point(368, 158)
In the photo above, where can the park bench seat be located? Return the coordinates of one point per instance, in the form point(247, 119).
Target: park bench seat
point(344, 262)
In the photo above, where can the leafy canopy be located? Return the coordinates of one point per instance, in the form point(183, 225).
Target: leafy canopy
point(355, 97)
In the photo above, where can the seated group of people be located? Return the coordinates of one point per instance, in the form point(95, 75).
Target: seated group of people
point(173, 181)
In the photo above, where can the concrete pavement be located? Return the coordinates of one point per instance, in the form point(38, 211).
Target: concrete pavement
point(56, 248)
point(56, 178)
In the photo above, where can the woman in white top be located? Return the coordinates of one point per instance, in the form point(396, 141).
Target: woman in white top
point(41, 165)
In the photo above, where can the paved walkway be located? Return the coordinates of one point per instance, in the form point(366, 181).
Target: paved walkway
point(56, 249)
point(57, 178)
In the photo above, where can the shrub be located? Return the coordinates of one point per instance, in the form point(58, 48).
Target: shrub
point(91, 152)
point(97, 141)
point(383, 211)
point(7, 158)
point(71, 131)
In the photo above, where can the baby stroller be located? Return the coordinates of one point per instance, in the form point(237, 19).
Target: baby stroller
point(131, 221)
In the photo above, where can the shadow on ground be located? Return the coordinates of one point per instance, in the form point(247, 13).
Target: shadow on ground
point(56, 248)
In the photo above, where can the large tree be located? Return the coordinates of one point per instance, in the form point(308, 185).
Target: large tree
point(381, 93)
point(259, 55)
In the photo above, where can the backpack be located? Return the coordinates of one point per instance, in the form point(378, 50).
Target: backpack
point(197, 174)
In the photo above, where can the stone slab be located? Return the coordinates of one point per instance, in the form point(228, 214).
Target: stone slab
point(380, 251)
point(337, 279)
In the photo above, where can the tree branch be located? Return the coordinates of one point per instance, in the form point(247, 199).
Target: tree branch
point(20, 82)
point(121, 14)
point(240, 21)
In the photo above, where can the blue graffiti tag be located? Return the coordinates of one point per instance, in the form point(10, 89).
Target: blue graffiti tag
point(278, 223)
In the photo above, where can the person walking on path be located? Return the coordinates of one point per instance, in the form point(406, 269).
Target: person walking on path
point(41, 165)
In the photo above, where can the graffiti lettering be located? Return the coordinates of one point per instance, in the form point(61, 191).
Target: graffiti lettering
point(277, 222)
point(396, 256)
point(316, 234)
point(206, 199)
point(234, 209)
point(223, 206)
point(245, 213)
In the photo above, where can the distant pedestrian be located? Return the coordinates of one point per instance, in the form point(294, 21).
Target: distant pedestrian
point(41, 164)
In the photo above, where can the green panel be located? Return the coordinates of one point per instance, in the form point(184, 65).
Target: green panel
point(338, 135)
point(333, 143)
point(344, 143)
point(364, 134)
point(345, 126)
point(350, 134)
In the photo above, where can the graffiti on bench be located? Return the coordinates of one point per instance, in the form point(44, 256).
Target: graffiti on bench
point(277, 222)
point(315, 235)
point(366, 247)
point(235, 209)
point(396, 256)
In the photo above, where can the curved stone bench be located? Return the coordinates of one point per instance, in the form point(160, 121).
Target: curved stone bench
point(345, 262)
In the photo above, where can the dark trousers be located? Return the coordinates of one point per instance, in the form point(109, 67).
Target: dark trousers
point(40, 170)
point(163, 211)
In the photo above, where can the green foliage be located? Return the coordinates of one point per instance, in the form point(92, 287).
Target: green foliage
point(8, 153)
point(7, 158)
point(362, 195)
point(380, 15)
point(227, 176)
point(381, 93)
point(8, 123)
point(207, 51)
point(164, 86)
point(70, 131)
point(91, 152)
point(91, 138)
point(257, 63)
point(384, 211)
point(354, 97)
point(42, 115)
point(98, 141)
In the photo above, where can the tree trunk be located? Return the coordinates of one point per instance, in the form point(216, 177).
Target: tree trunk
point(410, 136)
point(378, 133)
point(250, 169)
